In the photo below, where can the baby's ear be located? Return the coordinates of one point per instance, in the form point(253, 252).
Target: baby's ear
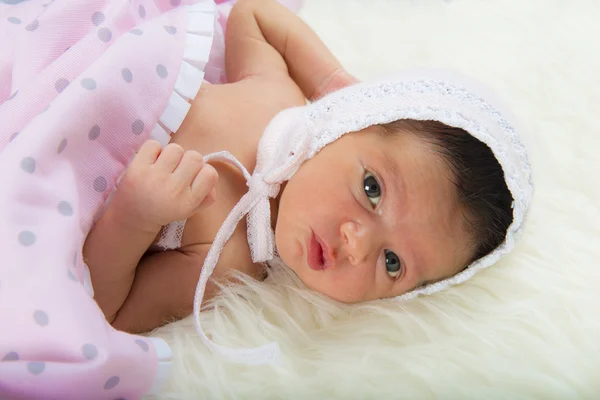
point(336, 81)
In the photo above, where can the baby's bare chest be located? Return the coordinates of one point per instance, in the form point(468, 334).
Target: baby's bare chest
point(232, 118)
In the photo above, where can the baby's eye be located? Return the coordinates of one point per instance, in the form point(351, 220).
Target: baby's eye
point(372, 188)
point(393, 265)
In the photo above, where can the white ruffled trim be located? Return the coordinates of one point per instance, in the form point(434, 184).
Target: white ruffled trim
point(198, 42)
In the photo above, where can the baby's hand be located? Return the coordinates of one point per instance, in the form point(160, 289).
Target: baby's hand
point(164, 185)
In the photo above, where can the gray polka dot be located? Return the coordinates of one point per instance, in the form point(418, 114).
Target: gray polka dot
point(127, 75)
point(136, 31)
point(36, 367)
point(14, 20)
point(94, 132)
point(27, 238)
point(12, 356)
point(45, 109)
point(88, 83)
point(171, 30)
point(142, 11)
point(12, 96)
point(112, 382)
point(137, 127)
point(104, 34)
point(175, 2)
point(13, 136)
point(89, 351)
point(142, 344)
point(33, 25)
point(41, 318)
point(61, 84)
point(100, 184)
point(61, 146)
point(28, 165)
point(65, 208)
point(161, 71)
point(98, 18)
point(71, 275)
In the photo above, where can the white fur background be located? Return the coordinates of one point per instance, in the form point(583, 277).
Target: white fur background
point(528, 327)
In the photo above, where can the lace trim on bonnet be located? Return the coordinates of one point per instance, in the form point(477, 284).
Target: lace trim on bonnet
point(297, 134)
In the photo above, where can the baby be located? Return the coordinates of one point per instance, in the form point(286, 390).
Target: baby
point(375, 214)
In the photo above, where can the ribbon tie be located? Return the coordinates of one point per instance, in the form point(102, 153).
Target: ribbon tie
point(265, 183)
point(261, 240)
point(260, 234)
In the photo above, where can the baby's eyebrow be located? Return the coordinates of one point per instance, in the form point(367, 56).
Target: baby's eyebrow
point(390, 165)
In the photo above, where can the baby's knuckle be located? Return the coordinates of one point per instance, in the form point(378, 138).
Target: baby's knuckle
point(152, 144)
point(188, 203)
point(174, 147)
point(193, 156)
point(209, 173)
point(172, 187)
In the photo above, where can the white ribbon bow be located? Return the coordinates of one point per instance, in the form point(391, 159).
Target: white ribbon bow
point(255, 203)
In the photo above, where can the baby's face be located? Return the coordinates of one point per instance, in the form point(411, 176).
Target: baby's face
point(372, 216)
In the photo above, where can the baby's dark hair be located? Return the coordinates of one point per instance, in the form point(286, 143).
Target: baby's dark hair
point(477, 175)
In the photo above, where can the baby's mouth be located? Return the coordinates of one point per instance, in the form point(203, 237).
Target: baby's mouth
point(316, 257)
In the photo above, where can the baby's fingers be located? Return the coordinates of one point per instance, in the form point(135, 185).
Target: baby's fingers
point(208, 200)
point(149, 152)
point(204, 182)
point(190, 165)
point(170, 157)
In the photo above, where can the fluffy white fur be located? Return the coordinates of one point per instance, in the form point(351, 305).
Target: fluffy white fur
point(525, 328)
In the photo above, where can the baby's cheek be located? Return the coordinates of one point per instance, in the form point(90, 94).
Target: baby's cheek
point(348, 285)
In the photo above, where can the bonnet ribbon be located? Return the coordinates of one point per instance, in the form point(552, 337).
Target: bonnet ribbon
point(255, 204)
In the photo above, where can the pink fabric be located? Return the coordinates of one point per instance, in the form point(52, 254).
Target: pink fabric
point(82, 83)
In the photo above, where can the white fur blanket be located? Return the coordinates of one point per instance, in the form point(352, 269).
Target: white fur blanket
point(526, 328)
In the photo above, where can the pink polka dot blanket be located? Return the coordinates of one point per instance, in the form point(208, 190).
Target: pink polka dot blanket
point(82, 85)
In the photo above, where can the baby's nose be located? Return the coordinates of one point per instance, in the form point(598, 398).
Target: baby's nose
point(355, 242)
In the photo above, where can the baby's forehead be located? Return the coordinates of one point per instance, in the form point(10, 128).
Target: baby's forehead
point(403, 144)
point(420, 169)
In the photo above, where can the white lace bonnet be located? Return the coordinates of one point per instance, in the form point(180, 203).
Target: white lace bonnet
point(297, 134)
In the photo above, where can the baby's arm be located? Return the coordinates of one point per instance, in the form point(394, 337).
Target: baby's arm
point(163, 290)
point(265, 38)
point(159, 187)
point(112, 252)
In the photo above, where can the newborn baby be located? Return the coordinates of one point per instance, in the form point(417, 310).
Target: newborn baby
point(375, 214)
